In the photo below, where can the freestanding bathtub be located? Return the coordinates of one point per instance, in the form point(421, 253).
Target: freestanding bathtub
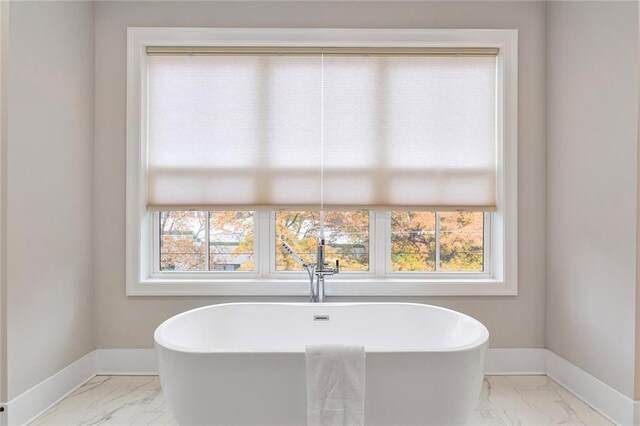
point(244, 363)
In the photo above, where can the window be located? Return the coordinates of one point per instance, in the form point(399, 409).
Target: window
point(438, 242)
point(346, 234)
point(205, 241)
point(424, 242)
point(398, 146)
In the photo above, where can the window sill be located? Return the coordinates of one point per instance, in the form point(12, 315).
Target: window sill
point(364, 287)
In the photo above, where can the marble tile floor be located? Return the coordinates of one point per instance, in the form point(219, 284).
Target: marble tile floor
point(138, 400)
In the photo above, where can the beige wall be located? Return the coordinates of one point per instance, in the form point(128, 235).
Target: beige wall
point(592, 187)
point(4, 53)
point(49, 189)
point(637, 336)
point(123, 322)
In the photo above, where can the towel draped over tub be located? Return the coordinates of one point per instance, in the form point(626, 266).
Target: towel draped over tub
point(335, 385)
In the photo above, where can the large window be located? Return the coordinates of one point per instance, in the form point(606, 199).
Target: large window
point(398, 147)
point(420, 242)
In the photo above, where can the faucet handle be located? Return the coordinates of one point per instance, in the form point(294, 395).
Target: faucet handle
point(337, 270)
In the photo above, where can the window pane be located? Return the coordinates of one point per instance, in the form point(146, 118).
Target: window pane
point(182, 241)
point(461, 241)
point(346, 235)
point(300, 230)
point(413, 241)
point(231, 241)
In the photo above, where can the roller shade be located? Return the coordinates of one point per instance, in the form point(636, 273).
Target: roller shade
point(331, 129)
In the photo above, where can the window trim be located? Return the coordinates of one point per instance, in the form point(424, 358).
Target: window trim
point(143, 280)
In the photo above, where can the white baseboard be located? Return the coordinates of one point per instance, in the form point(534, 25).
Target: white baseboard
point(33, 402)
point(500, 361)
point(612, 404)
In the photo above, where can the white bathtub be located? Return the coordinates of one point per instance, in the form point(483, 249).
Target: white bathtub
point(244, 363)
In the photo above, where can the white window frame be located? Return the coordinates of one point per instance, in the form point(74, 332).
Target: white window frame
point(156, 273)
point(501, 240)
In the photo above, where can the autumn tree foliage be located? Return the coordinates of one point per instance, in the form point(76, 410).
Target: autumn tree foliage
point(183, 240)
point(231, 238)
point(346, 236)
point(461, 241)
point(413, 241)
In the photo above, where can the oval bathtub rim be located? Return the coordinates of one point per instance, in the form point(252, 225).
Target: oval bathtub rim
point(159, 340)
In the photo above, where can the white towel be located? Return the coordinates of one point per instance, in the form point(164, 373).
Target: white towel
point(335, 385)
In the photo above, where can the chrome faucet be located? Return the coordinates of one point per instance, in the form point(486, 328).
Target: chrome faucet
point(317, 271)
point(321, 270)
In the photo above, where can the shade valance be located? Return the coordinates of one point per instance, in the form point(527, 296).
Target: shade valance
point(333, 130)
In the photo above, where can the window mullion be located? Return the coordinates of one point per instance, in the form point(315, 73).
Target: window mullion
point(437, 229)
point(381, 237)
point(487, 258)
point(263, 243)
point(207, 242)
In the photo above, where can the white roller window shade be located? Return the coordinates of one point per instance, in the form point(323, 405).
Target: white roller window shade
point(337, 131)
point(234, 132)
